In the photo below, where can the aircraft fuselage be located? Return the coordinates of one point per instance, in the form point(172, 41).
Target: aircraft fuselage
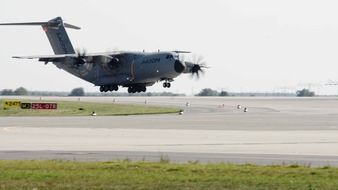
point(132, 67)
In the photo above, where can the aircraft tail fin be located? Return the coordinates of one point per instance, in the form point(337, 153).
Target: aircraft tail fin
point(56, 33)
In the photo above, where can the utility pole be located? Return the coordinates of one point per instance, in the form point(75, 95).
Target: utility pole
point(309, 86)
point(333, 83)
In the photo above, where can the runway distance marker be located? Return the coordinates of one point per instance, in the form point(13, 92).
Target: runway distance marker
point(35, 106)
point(12, 103)
point(25, 106)
point(48, 106)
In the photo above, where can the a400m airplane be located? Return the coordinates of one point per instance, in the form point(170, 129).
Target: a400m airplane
point(135, 70)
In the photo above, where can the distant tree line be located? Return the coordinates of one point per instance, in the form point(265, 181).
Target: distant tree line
point(80, 92)
point(210, 92)
point(18, 92)
point(305, 93)
point(23, 92)
point(77, 92)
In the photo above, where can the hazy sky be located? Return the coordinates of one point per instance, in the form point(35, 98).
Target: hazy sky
point(260, 45)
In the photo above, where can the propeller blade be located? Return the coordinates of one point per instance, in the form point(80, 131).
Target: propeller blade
point(81, 58)
point(196, 67)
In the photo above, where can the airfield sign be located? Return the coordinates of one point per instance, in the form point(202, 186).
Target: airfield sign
point(25, 105)
point(46, 106)
point(12, 103)
point(35, 106)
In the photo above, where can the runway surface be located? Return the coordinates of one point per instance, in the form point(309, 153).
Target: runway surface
point(274, 131)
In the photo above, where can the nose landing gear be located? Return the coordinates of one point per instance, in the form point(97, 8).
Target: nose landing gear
point(166, 85)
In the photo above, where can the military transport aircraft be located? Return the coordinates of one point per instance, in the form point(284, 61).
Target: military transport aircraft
point(135, 70)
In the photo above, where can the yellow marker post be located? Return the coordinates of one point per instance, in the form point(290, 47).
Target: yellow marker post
point(12, 103)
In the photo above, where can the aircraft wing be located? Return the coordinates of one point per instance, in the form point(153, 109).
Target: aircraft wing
point(46, 58)
point(61, 57)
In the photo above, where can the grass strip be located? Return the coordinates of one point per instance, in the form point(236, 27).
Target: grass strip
point(66, 108)
point(153, 175)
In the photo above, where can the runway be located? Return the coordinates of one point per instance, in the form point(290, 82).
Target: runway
point(274, 131)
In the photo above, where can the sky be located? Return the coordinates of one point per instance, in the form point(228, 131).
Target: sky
point(250, 46)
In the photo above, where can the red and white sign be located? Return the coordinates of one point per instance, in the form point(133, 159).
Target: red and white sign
point(48, 106)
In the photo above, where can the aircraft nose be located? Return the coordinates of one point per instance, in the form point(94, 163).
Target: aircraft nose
point(179, 66)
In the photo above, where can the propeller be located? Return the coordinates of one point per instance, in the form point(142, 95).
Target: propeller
point(196, 66)
point(81, 58)
point(113, 62)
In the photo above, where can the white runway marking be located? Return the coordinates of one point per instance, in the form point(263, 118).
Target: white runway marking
point(166, 140)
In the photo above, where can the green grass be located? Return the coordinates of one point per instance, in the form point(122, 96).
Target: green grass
point(150, 175)
point(85, 109)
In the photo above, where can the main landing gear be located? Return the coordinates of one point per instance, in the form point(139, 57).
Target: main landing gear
point(166, 85)
point(109, 88)
point(134, 89)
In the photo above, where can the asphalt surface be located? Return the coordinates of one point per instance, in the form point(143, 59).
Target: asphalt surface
point(274, 131)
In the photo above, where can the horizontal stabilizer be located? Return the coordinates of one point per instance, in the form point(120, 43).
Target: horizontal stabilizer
point(25, 23)
point(56, 33)
point(51, 23)
point(71, 26)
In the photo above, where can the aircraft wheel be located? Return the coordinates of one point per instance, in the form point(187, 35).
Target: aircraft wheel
point(144, 89)
point(101, 88)
point(111, 88)
point(138, 89)
point(166, 85)
point(105, 88)
point(132, 90)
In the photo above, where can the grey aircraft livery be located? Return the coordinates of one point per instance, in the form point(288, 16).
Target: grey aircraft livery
point(134, 70)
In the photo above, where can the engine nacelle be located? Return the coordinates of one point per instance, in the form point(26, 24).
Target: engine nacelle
point(71, 61)
point(114, 63)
